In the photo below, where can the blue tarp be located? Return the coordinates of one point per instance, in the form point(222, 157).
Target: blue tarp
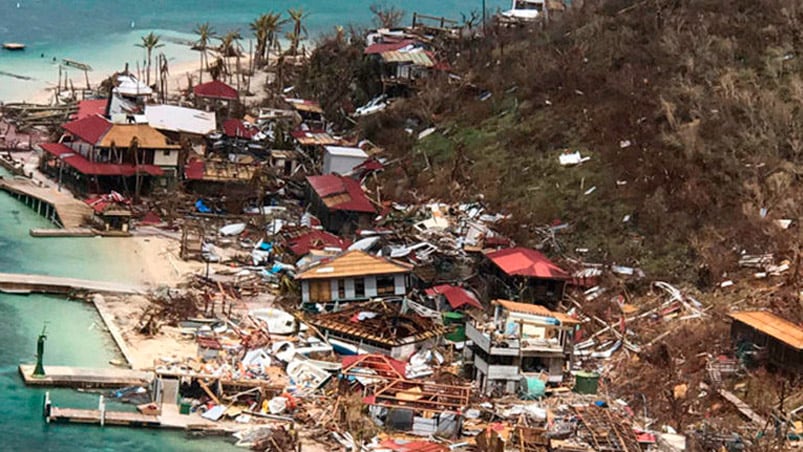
point(201, 207)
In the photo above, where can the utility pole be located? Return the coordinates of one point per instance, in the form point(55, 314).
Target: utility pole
point(483, 17)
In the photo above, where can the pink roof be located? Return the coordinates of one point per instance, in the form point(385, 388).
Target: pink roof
point(91, 107)
point(388, 46)
point(315, 240)
point(236, 128)
point(90, 129)
point(526, 262)
point(216, 90)
point(84, 166)
point(455, 295)
point(333, 184)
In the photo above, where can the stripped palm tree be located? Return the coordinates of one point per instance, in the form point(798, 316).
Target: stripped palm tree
point(274, 27)
point(265, 29)
point(150, 42)
point(299, 32)
point(205, 34)
point(230, 47)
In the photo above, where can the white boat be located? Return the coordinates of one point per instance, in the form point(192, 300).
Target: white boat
point(278, 321)
point(307, 375)
point(232, 229)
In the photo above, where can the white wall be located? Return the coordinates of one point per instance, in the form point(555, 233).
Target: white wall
point(170, 159)
point(370, 286)
point(400, 283)
point(305, 291)
point(339, 164)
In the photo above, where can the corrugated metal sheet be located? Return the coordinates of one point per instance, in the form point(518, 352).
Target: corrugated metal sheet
point(417, 58)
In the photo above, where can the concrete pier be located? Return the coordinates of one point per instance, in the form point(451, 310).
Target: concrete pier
point(81, 377)
point(25, 283)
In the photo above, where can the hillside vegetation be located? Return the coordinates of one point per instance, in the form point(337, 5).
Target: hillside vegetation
point(689, 109)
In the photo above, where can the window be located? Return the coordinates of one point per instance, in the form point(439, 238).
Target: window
point(359, 288)
point(385, 285)
point(341, 289)
point(167, 153)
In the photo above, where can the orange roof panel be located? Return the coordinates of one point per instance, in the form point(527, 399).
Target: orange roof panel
point(772, 325)
point(354, 263)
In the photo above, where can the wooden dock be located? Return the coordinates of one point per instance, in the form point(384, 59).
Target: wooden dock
point(25, 283)
point(60, 208)
point(124, 418)
point(81, 377)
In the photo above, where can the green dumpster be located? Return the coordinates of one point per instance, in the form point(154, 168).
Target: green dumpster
point(586, 382)
point(184, 407)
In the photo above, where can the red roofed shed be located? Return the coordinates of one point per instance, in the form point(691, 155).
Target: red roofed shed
point(526, 275)
point(340, 203)
point(526, 262)
point(215, 90)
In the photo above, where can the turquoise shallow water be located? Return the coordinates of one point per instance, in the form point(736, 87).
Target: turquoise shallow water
point(75, 337)
point(100, 33)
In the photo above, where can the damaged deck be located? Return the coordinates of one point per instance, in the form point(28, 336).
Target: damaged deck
point(59, 208)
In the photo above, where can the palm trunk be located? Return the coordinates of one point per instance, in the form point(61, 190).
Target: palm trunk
point(137, 178)
point(148, 74)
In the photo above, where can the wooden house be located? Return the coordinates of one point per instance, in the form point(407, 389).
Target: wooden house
point(353, 275)
point(97, 156)
point(340, 203)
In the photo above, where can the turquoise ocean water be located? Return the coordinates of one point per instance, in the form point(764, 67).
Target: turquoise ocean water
point(99, 32)
point(103, 33)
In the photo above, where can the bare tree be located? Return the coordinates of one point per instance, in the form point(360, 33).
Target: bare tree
point(386, 16)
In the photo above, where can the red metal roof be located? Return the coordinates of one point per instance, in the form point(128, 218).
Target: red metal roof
point(84, 166)
point(388, 46)
point(91, 107)
point(384, 366)
point(90, 129)
point(216, 90)
point(329, 185)
point(526, 262)
point(412, 446)
point(236, 128)
point(56, 149)
point(194, 170)
point(315, 240)
point(455, 295)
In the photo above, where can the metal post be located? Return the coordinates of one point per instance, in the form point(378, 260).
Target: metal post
point(39, 370)
point(102, 410)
